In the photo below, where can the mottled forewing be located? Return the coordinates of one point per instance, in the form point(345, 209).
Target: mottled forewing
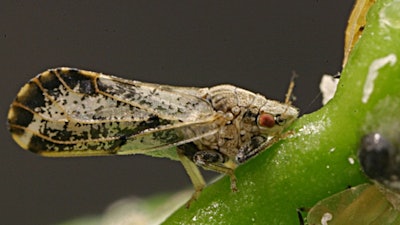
point(68, 112)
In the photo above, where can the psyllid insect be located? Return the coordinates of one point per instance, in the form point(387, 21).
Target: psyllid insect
point(379, 157)
point(69, 112)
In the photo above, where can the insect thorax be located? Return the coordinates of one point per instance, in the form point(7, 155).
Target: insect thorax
point(237, 110)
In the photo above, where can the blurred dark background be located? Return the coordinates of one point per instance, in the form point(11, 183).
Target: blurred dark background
point(198, 43)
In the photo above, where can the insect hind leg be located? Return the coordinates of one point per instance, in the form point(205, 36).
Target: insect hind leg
point(191, 158)
point(185, 154)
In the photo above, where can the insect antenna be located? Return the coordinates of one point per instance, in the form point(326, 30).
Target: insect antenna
point(289, 94)
point(321, 92)
point(313, 101)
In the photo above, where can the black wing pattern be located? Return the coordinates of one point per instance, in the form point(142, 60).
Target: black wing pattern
point(71, 112)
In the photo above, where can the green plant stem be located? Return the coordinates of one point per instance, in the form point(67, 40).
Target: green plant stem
point(320, 159)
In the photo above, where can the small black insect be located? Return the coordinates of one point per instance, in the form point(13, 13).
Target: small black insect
point(380, 159)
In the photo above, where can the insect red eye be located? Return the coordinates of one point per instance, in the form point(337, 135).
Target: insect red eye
point(266, 120)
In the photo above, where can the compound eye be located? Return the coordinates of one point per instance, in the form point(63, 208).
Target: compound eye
point(279, 120)
point(266, 120)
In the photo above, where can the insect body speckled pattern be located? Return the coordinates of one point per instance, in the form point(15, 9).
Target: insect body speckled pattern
point(69, 112)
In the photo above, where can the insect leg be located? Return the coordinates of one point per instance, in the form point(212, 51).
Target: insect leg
point(256, 145)
point(215, 161)
point(193, 172)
